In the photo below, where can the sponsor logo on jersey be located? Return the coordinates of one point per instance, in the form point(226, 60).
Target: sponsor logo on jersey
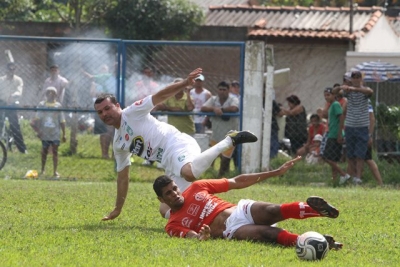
point(193, 209)
point(126, 137)
point(199, 196)
point(137, 146)
point(123, 146)
point(160, 153)
point(208, 209)
point(129, 130)
point(186, 222)
point(139, 102)
point(181, 158)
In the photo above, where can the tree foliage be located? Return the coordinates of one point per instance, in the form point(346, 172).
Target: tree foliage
point(153, 19)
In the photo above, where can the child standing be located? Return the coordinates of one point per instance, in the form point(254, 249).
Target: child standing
point(47, 125)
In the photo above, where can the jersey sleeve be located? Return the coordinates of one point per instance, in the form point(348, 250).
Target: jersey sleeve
point(213, 186)
point(140, 108)
point(122, 158)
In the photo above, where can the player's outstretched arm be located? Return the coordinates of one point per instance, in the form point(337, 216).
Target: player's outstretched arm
point(246, 180)
point(174, 88)
point(122, 191)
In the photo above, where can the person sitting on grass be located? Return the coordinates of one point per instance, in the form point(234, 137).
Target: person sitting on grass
point(198, 213)
point(47, 126)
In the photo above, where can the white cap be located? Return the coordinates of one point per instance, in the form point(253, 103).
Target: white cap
point(200, 77)
point(51, 88)
point(318, 137)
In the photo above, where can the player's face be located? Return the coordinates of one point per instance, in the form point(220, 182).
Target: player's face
point(109, 112)
point(171, 195)
point(314, 121)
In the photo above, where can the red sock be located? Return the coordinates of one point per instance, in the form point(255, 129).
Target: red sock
point(298, 210)
point(286, 238)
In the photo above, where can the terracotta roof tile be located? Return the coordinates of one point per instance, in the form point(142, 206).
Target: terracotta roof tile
point(287, 21)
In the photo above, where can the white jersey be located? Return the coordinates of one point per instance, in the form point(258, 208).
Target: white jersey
point(198, 101)
point(143, 135)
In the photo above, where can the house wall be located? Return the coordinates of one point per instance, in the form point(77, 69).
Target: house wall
point(313, 67)
point(381, 38)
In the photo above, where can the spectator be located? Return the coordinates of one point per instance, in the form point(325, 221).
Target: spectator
point(198, 213)
point(11, 87)
point(104, 82)
point(199, 95)
point(221, 104)
point(313, 156)
point(316, 127)
point(181, 102)
point(276, 112)
point(357, 124)
point(296, 123)
point(368, 157)
point(47, 125)
point(333, 148)
point(147, 85)
point(60, 83)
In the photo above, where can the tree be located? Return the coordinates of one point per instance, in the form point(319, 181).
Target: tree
point(153, 19)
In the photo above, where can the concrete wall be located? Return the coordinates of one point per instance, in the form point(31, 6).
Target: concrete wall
point(313, 67)
point(381, 38)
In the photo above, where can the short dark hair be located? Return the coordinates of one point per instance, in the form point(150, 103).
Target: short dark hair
point(54, 66)
point(104, 96)
point(223, 84)
point(315, 116)
point(294, 99)
point(356, 74)
point(336, 85)
point(161, 182)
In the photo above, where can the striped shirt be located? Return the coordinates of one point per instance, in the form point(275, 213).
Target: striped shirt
point(357, 110)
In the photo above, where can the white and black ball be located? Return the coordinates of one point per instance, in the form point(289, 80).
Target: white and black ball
point(311, 246)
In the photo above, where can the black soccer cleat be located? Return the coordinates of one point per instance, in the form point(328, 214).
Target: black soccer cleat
point(241, 137)
point(332, 243)
point(322, 207)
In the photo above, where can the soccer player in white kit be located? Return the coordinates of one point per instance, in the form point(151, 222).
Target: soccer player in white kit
point(139, 133)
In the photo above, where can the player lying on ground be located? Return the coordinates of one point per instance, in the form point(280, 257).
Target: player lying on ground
point(197, 213)
point(139, 133)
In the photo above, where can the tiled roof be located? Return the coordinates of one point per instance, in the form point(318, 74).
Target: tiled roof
point(205, 4)
point(285, 21)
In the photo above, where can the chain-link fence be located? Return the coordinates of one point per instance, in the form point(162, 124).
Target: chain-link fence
point(80, 69)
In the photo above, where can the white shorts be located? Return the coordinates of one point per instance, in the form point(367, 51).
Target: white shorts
point(239, 217)
point(183, 150)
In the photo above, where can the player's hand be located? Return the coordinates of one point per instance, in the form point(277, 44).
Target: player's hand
point(204, 233)
point(288, 165)
point(114, 214)
point(193, 75)
point(64, 139)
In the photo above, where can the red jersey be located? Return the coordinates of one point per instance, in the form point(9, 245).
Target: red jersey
point(320, 130)
point(200, 207)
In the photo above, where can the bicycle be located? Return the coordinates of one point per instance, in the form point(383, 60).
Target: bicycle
point(6, 139)
point(3, 155)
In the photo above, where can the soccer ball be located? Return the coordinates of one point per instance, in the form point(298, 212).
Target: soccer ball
point(311, 246)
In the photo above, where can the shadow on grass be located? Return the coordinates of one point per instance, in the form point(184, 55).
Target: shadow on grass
point(101, 226)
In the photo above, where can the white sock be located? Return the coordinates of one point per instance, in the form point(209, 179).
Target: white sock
point(203, 161)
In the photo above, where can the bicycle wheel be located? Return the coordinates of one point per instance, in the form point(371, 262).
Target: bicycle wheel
point(3, 155)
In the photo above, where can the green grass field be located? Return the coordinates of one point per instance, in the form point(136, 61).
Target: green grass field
point(58, 223)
